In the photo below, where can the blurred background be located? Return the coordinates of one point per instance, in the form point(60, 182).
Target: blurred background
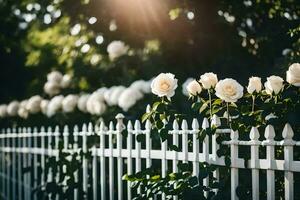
point(235, 39)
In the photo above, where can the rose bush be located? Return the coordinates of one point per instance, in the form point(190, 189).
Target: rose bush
point(275, 104)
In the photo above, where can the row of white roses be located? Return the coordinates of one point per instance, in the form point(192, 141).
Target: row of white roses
point(95, 103)
point(228, 89)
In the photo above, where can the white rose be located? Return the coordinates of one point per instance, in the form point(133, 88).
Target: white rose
point(229, 90)
point(293, 74)
point(128, 98)
point(54, 105)
point(66, 81)
point(3, 109)
point(274, 84)
point(115, 95)
point(69, 103)
point(44, 106)
point(208, 80)
point(51, 88)
point(116, 49)
point(23, 112)
point(81, 104)
point(254, 85)
point(55, 77)
point(184, 85)
point(12, 108)
point(95, 104)
point(142, 86)
point(194, 88)
point(34, 104)
point(164, 85)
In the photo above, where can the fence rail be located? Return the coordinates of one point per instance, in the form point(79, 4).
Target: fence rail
point(24, 152)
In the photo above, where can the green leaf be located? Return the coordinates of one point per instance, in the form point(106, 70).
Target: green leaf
point(196, 106)
point(146, 116)
point(173, 147)
point(227, 161)
point(159, 124)
point(217, 102)
point(163, 134)
point(158, 106)
point(155, 178)
point(140, 137)
point(203, 107)
point(193, 181)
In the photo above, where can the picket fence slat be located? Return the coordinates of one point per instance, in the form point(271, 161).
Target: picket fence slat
point(28, 149)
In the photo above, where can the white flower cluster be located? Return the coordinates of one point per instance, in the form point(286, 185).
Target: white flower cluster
point(95, 103)
point(55, 82)
point(228, 89)
point(116, 49)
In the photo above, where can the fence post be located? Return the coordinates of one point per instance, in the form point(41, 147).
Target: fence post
point(288, 143)
point(49, 153)
point(35, 160)
point(25, 163)
point(148, 143)
point(129, 158)
point(43, 152)
point(84, 162)
point(195, 126)
point(205, 125)
point(120, 127)
point(234, 170)
point(94, 167)
point(8, 164)
point(102, 161)
point(65, 148)
point(137, 127)
point(56, 137)
point(215, 122)
point(20, 164)
point(75, 148)
point(254, 135)
point(14, 181)
point(111, 162)
point(184, 128)
point(270, 143)
point(175, 142)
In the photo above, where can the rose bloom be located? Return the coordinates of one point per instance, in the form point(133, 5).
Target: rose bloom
point(54, 76)
point(12, 108)
point(66, 81)
point(34, 104)
point(116, 49)
point(69, 103)
point(128, 98)
point(293, 74)
point(115, 94)
point(142, 85)
point(54, 105)
point(95, 104)
point(23, 112)
point(194, 88)
point(184, 85)
point(81, 104)
point(254, 85)
point(44, 106)
point(164, 85)
point(51, 88)
point(208, 80)
point(229, 90)
point(3, 109)
point(274, 84)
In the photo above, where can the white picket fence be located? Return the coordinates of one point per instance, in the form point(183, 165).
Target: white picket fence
point(115, 156)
